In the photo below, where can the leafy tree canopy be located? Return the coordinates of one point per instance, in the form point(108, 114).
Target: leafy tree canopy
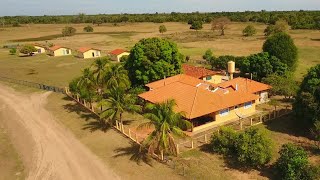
point(250, 30)
point(88, 29)
point(68, 31)
point(283, 85)
point(27, 49)
point(162, 29)
point(261, 65)
point(153, 59)
point(281, 45)
point(196, 25)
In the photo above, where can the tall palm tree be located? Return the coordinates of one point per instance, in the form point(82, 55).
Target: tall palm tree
point(118, 102)
point(100, 67)
point(117, 76)
point(167, 124)
point(85, 84)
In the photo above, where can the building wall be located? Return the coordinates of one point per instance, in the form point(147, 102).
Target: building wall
point(263, 97)
point(89, 54)
point(61, 52)
point(40, 49)
point(215, 79)
point(118, 57)
point(241, 110)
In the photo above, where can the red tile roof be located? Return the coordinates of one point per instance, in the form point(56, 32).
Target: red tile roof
point(194, 97)
point(198, 72)
point(117, 51)
point(244, 84)
point(85, 49)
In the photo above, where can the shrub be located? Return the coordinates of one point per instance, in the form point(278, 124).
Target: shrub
point(221, 62)
point(162, 29)
point(208, 55)
point(16, 24)
point(224, 141)
point(88, 29)
point(13, 51)
point(196, 25)
point(124, 58)
point(249, 31)
point(281, 45)
point(68, 31)
point(254, 148)
point(27, 49)
point(280, 26)
point(187, 58)
point(293, 164)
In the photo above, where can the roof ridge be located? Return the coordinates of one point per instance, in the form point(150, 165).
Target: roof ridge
point(194, 100)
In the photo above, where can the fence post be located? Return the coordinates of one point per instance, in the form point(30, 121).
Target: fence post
point(84, 103)
point(137, 138)
point(205, 138)
point(192, 144)
point(240, 125)
point(177, 148)
point(250, 121)
point(261, 118)
point(92, 108)
point(161, 155)
point(122, 127)
point(129, 133)
point(117, 125)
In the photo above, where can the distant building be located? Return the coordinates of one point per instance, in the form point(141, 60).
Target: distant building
point(116, 54)
point(206, 104)
point(203, 73)
point(59, 51)
point(40, 48)
point(86, 53)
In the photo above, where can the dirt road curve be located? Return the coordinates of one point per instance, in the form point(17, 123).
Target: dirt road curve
point(49, 151)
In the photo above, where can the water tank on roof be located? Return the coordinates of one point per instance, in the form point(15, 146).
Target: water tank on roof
point(231, 67)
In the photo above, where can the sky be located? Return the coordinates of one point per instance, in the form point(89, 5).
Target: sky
point(66, 7)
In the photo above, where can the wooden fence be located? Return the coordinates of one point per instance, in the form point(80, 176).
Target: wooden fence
point(33, 85)
point(204, 138)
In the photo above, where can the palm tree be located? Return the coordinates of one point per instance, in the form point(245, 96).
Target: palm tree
point(117, 102)
point(100, 68)
point(85, 84)
point(117, 76)
point(167, 124)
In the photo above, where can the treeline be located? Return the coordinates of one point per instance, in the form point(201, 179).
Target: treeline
point(296, 19)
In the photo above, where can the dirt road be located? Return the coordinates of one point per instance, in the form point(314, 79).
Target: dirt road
point(49, 151)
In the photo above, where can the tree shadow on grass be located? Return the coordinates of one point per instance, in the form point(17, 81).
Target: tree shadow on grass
point(136, 153)
point(97, 124)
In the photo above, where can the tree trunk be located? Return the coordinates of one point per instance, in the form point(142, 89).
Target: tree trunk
point(222, 32)
point(120, 117)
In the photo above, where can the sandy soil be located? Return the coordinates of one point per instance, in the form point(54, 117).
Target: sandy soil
point(48, 150)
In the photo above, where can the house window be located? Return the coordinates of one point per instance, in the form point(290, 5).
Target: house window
point(236, 107)
point(248, 105)
point(208, 78)
point(67, 51)
point(224, 112)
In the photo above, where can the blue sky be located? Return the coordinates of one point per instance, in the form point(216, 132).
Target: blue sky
point(58, 7)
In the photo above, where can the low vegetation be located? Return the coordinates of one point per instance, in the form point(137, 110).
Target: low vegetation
point(68, 31)
point(27, 49)
point(250, 30)
point(88, 29)
point(162, 29)
point(251, 148)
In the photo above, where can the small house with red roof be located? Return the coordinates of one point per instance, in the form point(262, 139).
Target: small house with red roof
point(59, 51)
point(117, 54)
point(87, 52)
point(202, 73)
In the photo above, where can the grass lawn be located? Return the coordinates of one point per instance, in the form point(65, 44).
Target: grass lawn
point(11, 166)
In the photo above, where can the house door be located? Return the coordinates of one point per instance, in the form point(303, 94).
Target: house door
point(39, 50)
point(92, 54)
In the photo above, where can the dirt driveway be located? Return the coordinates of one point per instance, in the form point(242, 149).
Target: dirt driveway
point(49, 150)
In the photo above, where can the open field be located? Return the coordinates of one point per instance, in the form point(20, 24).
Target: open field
point(59, 71)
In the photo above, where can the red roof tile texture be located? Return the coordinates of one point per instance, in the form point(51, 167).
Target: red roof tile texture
point(195, 97)
point(198, 72)
point(117, 51)
point(85, 49)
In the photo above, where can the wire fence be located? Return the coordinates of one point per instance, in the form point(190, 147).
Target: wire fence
point(33, 85)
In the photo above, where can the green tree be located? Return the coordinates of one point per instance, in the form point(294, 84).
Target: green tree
point(307, 102)
point(250, 30)
point(280, 26)
point(283, 85)
point(153, 59)
point(261, 65)
point(315, 131)
point(220, 24)
point(99, 69)
point(293, 163)
point(13, 51)
point(27, 49)
point(88, 29)
point(281, 45)
point(117, 76)
point(117, 102)
point(167, 124)
point(162, 29)
point(208, 55)
point(68, 31)
point(86, 84)
point(196, 25)
point(221, 63)
point(223, 142)
point(254, 148)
